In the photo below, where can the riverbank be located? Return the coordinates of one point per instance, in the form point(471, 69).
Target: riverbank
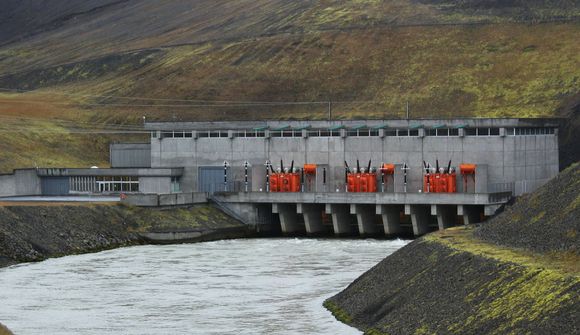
point(30, 233)
point(518, 273)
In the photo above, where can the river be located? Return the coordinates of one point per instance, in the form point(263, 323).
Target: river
point(252, 286)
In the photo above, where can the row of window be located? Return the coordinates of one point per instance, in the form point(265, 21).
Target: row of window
point(482, 131)
point(103, 184)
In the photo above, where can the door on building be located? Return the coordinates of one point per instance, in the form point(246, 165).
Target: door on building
point(211, 179)
point(55, 186)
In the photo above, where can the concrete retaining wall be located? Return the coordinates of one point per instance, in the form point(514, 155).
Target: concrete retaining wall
point(20, 183)
point(174, 199)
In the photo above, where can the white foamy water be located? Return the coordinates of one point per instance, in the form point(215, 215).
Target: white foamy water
point(254, 286)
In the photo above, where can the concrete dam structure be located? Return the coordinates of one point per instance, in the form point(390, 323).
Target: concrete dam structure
point(342, 177)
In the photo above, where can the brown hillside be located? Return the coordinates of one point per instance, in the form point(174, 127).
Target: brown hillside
point(446, 58)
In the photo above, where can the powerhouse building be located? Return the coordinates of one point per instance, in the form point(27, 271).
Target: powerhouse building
point(510, 155)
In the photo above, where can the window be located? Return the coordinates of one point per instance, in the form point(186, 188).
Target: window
point(470, 131)
point(482, 131)
point(403, 132)
point(188, 134)
point(324, 133)
point(391, 132)
point(494, 131)
point(443, 132)
point(313, 133)
point(431, 132)
point(175, 185)
point(510, 131)
point(117, 184)
point(454, 132)
point(414, 132)
point(154, 134)
point(167, 134)
point(374, 132)
point(363, 132)
point(335, 133)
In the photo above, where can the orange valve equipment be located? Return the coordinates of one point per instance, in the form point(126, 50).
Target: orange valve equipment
point(388, 169)
point(466, 170)
point(310, 169)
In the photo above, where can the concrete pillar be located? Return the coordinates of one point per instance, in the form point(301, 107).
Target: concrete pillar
point(419, 218)
point(365, 216)
point(445, 215)
point(391, 215)
point(341, 218)
point(490, 210)
point(312, 217)
point(471, 214)
point(288, 217)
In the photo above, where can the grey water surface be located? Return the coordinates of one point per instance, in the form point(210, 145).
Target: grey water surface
point(253, 286)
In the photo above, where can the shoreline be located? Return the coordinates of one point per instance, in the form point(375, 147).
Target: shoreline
point(35, 233)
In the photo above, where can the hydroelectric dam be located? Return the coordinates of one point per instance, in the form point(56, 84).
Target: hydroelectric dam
point(344, 177)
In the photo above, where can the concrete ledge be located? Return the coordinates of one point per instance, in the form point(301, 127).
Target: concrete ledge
point(173, 199)
point(368, 198)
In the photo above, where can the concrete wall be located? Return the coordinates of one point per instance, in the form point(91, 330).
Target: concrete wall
point(175, 199)
point(510, 159)
point(124, 155)
point(157, 185)
point(20, 183)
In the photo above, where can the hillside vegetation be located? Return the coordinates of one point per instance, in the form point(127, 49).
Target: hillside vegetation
point(518, 273)
point(85, 60)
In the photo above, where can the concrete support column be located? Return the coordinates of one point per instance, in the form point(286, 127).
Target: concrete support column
point(445, 215)
point(288, 217)
point(391, 215)
point(312, 217)
point(365, 216)
point(341, 218)
point(419, 218)
point(471, 214)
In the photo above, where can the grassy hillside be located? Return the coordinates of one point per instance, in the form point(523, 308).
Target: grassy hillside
point(446, 58)
point(516, 274)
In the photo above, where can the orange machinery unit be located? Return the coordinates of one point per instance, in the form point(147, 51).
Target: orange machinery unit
point(360, 180)
point(309, 177)
point(284, 180)
point(467, 170)
point(387, 172)
point(439, 180)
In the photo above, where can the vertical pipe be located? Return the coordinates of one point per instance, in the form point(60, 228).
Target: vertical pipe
point(324, 179)
point(225, 176)
point(382, 178)
point(246, 175)
point(405, 168)
point(268, 167)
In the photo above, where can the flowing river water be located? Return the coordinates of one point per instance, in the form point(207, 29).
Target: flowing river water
point(253, 286)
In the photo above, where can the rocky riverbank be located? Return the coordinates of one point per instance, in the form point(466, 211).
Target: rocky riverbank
point(516, 274)
point(36, 232)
